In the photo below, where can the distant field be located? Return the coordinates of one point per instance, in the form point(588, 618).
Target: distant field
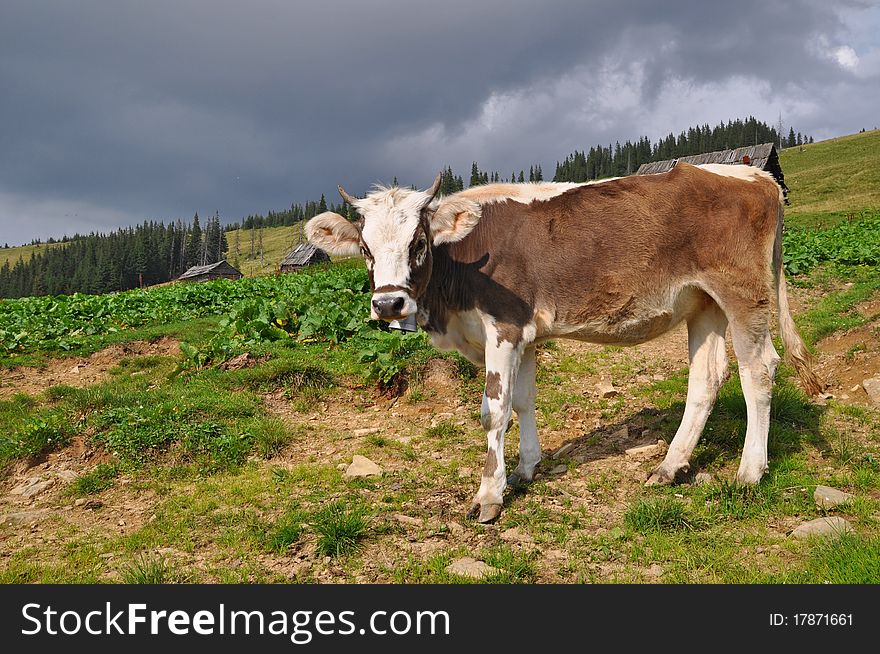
point(841, 174)
point(277, 242)
point(13, 254)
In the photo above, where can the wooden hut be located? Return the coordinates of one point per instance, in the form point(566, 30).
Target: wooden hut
point(211, 271)
point(762, 156)
point(305, 254)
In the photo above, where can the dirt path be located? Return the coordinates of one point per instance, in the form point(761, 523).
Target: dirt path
point(79, 371)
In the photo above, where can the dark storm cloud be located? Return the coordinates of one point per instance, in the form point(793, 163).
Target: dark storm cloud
point(116, 112)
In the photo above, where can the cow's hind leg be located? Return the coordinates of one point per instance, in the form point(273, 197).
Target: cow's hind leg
point(502, 365)
point(757, 367)
point(524, 404)
point(708, 371)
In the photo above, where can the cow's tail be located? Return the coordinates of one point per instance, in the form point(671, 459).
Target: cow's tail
point(796, 353)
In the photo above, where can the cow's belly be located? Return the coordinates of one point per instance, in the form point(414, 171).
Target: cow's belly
point(465, 334)
point(648, 319)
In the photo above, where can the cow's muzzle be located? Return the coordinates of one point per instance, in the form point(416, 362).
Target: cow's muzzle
point(392, 306)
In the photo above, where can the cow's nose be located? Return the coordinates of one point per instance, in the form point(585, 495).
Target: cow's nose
point(388, 307)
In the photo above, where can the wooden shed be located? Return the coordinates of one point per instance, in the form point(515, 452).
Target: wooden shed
point(221, 269)
point(762, 156)
point(305, 254)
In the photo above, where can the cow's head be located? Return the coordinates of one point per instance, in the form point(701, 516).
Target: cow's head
point(395, 235)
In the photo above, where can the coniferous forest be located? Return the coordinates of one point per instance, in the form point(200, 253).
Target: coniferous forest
point(155, 252)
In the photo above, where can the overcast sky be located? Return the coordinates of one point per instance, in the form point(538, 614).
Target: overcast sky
point(116, 112)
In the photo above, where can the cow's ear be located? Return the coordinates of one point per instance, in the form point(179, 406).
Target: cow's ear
point(454, 219)
point(333, 234)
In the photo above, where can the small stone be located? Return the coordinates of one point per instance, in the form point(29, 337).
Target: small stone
point(74, 370)
point(558, 470)
point(606, 389)
point(562, 451)
point(872, 388)
point(121, 523)
point(658, 377)
point(32, 486)
point(642, 379)
point(514, 535)
point(408, 520)
point(66, 475)
point(365, 432)
point(361, 466)
point(24, 517)
point(341, 466)
point(621, 433)
point(703, 478)
point(468, 567)
point(655, 571)
point(644, 451)
point(79, 501)
point(856, 388)
point(454, 527)
point(465, 473)
point(829, 526)
point(404, 440)
point(827, 497)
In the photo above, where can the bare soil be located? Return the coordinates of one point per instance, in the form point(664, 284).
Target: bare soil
point(79, 372)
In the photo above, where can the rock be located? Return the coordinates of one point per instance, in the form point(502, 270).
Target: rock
point(454, 528)
point(621, 434)
point(827, 497)
point(558, 470)
point(408, 520)
point(365, 432)
point(32, 486)
point(703, 478)
point(361, 466)
point(514, 535)
point(66, 475)
point(872, 388)
point(341, 466)
point(74, 370)
point(465, 473)
point(655, 571)
point(830, 526)
point(606, 389)
point(24, 517)
point(646, 451)
point(79, 501)
point(468, 567)
point(658, 377)
point(562, 451)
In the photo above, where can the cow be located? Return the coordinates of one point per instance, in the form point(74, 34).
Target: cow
point(494, 270)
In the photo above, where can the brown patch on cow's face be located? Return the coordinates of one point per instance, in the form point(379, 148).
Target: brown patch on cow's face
point(491, 464)
point(493, 385)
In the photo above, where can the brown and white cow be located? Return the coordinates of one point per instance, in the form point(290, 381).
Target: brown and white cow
point(493, 270)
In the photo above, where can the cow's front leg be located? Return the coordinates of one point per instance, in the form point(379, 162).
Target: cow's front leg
point(502, 364)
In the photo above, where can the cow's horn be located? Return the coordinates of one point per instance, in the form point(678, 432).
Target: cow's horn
point(434, 187)
point(345, 196)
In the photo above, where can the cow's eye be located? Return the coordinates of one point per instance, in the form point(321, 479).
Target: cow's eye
point(421, 248)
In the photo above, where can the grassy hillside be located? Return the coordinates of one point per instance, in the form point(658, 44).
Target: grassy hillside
point(277, 241)
point(841, 174)
point(12, 254)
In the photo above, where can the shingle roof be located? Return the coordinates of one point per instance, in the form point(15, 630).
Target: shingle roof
point(303, 254)
point(196, 271)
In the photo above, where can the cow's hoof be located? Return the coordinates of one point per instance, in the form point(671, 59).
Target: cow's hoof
point(518, 479)
point(750, 477)
point(484, 512)
point(664, 475)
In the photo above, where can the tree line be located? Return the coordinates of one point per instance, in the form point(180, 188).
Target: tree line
point(154, 252)
point(147, 254)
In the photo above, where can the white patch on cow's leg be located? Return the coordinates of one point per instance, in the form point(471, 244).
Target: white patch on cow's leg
point(524, 404)
point(708, 371)
point(502, 364)
point(757, 368)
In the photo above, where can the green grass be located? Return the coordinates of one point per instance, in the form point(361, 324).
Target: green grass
point(340, 528)
point(100, 478)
